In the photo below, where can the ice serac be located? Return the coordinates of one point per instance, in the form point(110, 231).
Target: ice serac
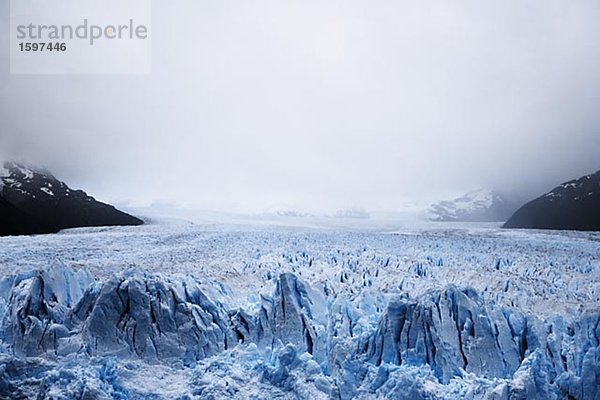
point(152, 318)
point(450, 330)
point(445, 343)
point(38, 305)
point(294, 314)
point(454, 332)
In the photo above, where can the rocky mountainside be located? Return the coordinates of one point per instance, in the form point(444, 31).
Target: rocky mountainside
point(33, 201)
point(574, 205)
point(482, 205)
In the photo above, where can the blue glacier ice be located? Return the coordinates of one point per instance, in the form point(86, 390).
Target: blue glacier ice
point(65, 334)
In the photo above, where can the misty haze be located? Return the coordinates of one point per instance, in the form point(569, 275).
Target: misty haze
point(325, 106)
point(300, 200)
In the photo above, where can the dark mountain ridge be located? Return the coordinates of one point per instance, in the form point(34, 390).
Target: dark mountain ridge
point(573, 205)
point(33, 201)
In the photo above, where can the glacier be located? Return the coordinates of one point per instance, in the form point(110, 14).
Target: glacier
point(219, 313)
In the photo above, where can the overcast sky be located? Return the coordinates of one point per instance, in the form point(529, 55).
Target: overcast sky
point(320, 105)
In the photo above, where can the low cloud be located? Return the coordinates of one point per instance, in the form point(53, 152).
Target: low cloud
point(324, 105)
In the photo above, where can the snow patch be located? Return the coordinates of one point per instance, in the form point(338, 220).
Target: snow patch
point(47, 191)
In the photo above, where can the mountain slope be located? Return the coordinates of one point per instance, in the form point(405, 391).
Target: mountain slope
point(482, 205)
point(15, 222)
point(574, 205)
point(33, 201)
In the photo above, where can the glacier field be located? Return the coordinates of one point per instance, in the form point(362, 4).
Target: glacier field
point(183, 311)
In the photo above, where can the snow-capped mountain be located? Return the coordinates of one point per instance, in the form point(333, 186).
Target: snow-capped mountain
point(33, 201)
point(482, 205)
point(574, 205)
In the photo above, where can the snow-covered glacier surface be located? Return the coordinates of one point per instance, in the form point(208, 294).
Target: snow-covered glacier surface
point(183, 311)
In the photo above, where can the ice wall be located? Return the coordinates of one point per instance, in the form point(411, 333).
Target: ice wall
point(448, 343)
